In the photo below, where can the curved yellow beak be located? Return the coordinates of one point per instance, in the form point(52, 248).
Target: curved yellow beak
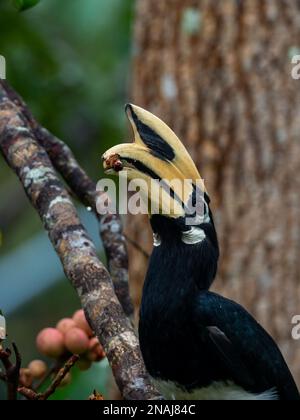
point(157, 157)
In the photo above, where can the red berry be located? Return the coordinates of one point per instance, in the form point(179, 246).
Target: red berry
point(96, 352)
point(94, 342)
point(50, 342)
point(65, 324)
point(26, 377)
point(118, 166)
point(37, 368)
point(76, 341)
point(92, 356)
point(81, 322)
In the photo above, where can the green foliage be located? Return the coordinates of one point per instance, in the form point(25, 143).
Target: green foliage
point(25, 4)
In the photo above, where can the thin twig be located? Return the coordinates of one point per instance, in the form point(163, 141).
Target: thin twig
point(15, 374)
point(59, 377)
point(12, 371)
point(28, 393)
point(47, 375)
point(31, 394)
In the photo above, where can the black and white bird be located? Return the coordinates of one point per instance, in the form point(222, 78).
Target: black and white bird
point(197, 345)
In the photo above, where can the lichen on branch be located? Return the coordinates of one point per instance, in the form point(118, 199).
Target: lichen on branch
point(26, 156)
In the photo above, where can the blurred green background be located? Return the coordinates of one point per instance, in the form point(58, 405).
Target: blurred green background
point(70, 61)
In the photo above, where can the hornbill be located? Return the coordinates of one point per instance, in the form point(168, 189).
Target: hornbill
point(197, 345)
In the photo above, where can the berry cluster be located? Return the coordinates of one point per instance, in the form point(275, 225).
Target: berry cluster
point(70, 336)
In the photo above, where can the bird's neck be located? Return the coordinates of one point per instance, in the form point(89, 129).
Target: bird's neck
point(177, 266)
point(175, 275)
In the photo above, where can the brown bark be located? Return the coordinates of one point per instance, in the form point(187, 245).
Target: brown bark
point(219, 73)
point(110, 225)
point(20, 146)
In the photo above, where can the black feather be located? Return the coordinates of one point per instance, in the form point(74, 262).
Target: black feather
point(193, 337)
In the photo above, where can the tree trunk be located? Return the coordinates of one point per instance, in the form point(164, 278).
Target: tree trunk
point(219, 73)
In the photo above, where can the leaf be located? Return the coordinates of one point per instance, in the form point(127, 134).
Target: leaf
point(24, 4)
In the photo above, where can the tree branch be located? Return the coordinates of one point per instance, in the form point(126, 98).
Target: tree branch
point(31, 394)
point(58, 378)
point(75, 249)
point(110, 225)
point(27, 393)
point(54, 368)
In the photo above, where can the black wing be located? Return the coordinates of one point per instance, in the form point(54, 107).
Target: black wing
point(243, 347)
